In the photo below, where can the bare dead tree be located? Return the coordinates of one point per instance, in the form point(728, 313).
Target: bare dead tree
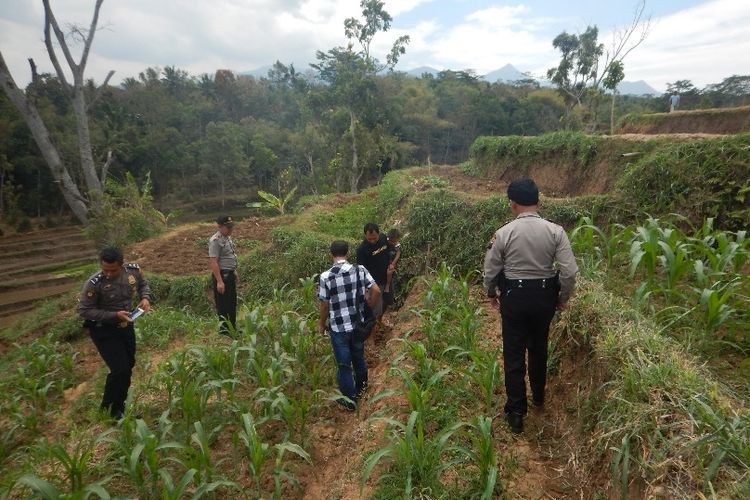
point(80, 205)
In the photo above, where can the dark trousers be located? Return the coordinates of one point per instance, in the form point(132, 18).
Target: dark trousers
point(226, 303)
point(117, 348)
point(526, 316)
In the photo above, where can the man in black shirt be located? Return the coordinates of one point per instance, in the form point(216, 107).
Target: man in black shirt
point(373, 254)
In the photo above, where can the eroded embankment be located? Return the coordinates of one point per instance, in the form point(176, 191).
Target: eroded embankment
point(698, 121)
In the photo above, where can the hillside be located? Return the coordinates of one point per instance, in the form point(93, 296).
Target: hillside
point(647, 396)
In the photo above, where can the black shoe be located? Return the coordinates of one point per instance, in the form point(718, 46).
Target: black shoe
point(346, 404)
point(515, 421)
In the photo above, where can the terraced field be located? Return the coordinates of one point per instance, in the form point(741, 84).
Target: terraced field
point(34, 268)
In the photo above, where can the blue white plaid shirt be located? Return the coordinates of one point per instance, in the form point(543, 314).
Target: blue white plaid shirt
point(337, 287)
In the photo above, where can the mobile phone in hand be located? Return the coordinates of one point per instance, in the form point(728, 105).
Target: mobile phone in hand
point(136, 313)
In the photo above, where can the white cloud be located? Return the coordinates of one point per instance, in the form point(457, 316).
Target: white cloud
point(705, 43)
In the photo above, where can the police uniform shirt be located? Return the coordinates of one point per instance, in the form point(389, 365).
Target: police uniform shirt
point(102, 297)
point(527, 248)
point(223, 247)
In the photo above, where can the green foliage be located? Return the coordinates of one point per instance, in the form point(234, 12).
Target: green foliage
point(347, 222)
point(443, 227)
point(699, 179)
point(488, 153)
point(649, 376)
point(191, 291)
point(127, 214)
point(278, 204)
point(296, 254)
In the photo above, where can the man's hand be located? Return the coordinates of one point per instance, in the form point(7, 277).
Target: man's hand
point(145, 304)
point(236, 277)
point(124, 316)
point(322, 329)
point(220, 286)
point(562, 306)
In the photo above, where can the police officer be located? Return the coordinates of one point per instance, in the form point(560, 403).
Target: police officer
point(105, 305)
point(222, 260)
point(520, 267)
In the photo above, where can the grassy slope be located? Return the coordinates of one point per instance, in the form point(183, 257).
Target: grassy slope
point(637, 377)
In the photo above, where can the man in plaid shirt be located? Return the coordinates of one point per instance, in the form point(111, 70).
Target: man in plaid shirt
point(342, 305)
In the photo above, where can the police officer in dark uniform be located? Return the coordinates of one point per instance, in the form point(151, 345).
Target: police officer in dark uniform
point(530, 264)
point(105, 304)
point(222, 260)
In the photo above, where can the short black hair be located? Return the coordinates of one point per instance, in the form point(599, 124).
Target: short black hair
point(371, 227)
point(111, 254)
point(394, 233)
point(339, 248)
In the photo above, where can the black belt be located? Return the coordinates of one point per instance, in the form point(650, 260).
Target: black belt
point(227, 271)
point(538, 283)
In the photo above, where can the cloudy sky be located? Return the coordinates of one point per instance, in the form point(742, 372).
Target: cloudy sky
point(703, 41)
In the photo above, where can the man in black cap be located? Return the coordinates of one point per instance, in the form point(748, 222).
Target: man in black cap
point(530, 270)
point(222, 260)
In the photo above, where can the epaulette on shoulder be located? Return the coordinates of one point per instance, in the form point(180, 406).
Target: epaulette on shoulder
point(132, 265)
point(95, 279)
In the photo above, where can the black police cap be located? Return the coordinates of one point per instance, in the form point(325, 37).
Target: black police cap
point(225, 220)
point(524, 192)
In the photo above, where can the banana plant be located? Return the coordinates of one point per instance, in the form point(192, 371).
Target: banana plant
point(278, 204)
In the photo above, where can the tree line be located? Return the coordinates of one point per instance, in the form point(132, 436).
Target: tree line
point(338, 125)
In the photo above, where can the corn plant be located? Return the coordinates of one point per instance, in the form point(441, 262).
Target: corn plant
point(417, 461)
point(482, 455)
point(259, 453)
point(175, 491)
point(426, 366)
point(76, 467)
point(47, 491)
point(645, 248)
point(485, 373)
point(142, 452)
point(198, 456)
point(419, 394)
point(675, 261)
point(714, 304)
point(723, 438)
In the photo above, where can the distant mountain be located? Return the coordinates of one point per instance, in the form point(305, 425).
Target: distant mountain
point(507, 73)
point(637, 88)
point(261, 72)
point(418, 72)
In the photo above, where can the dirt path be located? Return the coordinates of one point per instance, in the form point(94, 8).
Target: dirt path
point(542, 453)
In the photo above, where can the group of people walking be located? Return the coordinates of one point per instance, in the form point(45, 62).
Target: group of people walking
point(529, 272)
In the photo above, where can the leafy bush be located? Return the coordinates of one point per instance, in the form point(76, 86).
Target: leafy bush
point(127, 214)
point(348, 221)
point(699, 179)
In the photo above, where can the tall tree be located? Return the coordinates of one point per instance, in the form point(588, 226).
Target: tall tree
point(76, 92)
point(350, 74)
point(585, 62)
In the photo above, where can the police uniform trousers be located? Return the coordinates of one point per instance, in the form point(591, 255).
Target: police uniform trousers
point(117, 347)
point(226, 303)
point(526, 317)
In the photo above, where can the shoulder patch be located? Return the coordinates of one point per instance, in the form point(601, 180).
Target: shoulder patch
point(132, 265)
point(96, 279)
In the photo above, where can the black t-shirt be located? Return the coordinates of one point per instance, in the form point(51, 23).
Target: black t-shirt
point(375, 258)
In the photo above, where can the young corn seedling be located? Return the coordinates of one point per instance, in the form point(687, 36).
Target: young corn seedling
point(417, 461)
point(141, 452)
point(76, 464)
point(482, 455)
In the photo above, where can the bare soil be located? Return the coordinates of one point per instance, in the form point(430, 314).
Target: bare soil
point(184, 251)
